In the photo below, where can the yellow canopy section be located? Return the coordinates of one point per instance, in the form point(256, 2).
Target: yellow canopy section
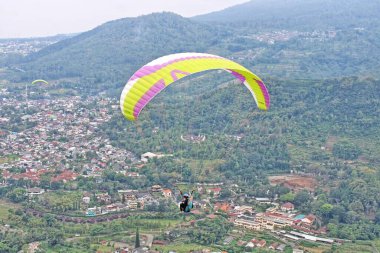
point(152, 78)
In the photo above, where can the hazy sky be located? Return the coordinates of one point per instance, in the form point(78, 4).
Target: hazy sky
point(30, 18)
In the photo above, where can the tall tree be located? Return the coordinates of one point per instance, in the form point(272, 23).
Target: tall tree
point(137, 241)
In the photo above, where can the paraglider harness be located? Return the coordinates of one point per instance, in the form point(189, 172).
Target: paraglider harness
point(187, 202)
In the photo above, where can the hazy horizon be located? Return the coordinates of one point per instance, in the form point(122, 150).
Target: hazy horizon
point(40, 18)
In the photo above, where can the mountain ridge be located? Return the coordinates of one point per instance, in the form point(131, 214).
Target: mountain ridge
point(121, 44)
point(299, 13)
point(107, 55)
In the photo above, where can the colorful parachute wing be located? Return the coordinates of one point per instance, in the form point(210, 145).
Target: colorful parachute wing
point(152, 78)
point(40, 81)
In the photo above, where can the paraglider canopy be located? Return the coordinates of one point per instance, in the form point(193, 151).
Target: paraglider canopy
point(40, 81)
point(155, 76)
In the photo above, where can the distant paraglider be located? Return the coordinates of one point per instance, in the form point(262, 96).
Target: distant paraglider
point(37, 81)
point(40, 81)
point(155, 76)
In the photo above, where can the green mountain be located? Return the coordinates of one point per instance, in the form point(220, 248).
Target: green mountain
point(301, 14)
point(112, 51)
point(304, 38)
point(285, 39)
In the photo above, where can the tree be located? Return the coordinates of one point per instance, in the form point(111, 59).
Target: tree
point(326, 209)
point(45, 181)
point(338, 212)
point(333, 229)
point(351, 217)
point(377, 217)
point(55, 237)
point(17, 195)
point(4, 247)
point(301, 198)
point(50, 220)
point(288, 197)
point(137, 240)
point(346, 150)
point(356, 206)
point(225, 193)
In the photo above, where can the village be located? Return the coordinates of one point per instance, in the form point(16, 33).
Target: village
point(62, 138)
point(281, 220)
point(285, 35)
point(26, 46)
point(63, 143)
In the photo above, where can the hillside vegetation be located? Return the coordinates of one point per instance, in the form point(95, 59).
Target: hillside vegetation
point(321, 68)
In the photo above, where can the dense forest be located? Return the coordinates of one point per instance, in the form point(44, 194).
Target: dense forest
point(304, 115)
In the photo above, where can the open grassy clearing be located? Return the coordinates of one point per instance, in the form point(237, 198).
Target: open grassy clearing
point(362, 247)
point(204, 168)
point(181, 247)
point(320, 248)
point(149, 226)
point(5, 206)
point(298, 153)
point(376, 244)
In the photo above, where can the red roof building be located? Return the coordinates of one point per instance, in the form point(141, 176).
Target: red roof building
point(222, 206)
point(215, 190)
point(32, 175)
point(287, 207)
point(65, 176)
point(261, 243)
point(167, 193)
point(309, 219)
point(6, 174)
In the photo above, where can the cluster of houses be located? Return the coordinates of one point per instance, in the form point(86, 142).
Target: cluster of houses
point(127, 200)
point(25, 47)
point(35, 175)
point(284, 35)
point(275, 219)
point(261, 243)
point(62, 138)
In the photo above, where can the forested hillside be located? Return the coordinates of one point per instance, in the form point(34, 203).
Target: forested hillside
point(319, 59)
point(295, 135)
point(104, 58)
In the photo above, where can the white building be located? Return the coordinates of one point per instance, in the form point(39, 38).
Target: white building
point(149, 155)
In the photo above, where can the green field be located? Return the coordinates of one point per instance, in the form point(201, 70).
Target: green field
point(204, 168)
point(4, 207)
point(181, 247)
point(150, 226)
point(376, 244)
point(355, 248)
